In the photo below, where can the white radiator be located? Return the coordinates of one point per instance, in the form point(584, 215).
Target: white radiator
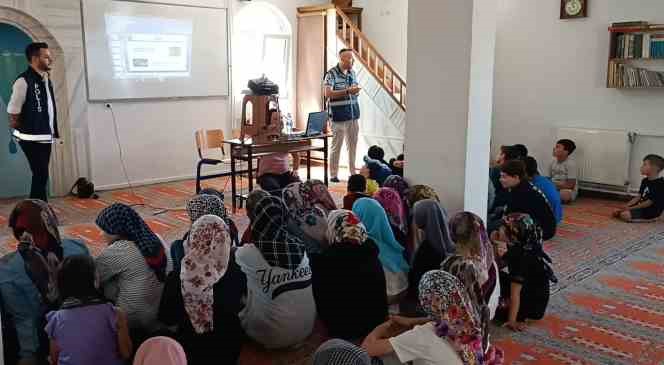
point(603, 157)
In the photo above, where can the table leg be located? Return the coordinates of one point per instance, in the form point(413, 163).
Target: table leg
point(308, 165)
point(325, 155)
point(233, 181)
point(251, 168)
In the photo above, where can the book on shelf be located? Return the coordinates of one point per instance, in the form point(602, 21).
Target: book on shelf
point(625, 76)
point(635, 23)
point(639, 45)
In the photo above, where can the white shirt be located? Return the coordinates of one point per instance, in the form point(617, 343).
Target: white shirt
point(421, 346)
point(19, 91)
point(280, 310)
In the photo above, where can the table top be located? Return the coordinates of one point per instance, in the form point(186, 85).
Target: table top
point(284, 140)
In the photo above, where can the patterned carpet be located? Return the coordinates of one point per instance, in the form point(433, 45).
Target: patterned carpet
point(608, 307)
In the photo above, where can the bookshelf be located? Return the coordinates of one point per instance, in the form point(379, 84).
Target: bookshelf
point(636, 56)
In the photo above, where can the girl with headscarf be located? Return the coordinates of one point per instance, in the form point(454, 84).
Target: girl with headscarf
point(208, 202)
point(340, 352)
point(420, 192)
point(160, 351)
point(474, 257)
point(390, 200)
point(431, 219)
point(308, 204)
point(353, 301)
point(86, 329)
point(390, 251)
point(28, 284)
point(453, 332)
point(133, 267)
point(526, 287)
point(399, 184)
point(205, 297)
point(252, 200)
point(280, 310)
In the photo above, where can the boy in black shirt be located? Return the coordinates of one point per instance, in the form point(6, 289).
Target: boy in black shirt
point(526, 198)
point(648, 206)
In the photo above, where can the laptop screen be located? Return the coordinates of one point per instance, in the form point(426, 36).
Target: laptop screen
point(316, 123)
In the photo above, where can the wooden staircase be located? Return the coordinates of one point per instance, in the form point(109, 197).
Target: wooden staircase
point(367, 53)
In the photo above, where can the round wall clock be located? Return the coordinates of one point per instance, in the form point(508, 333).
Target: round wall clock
point(570, 9)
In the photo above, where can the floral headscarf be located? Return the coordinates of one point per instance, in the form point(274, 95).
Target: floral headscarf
point(444, 299)
point(399, 184)
point(206, 260)
point(308, 204)
point(466, 223)
point(391, 202)
point(278, 247)
point(120, 219)
point(527, 236)
point(421, 192)
point(204, 204)
point(35, 226)
point(345, 227)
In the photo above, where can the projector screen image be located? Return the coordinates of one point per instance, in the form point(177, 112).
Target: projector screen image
point(144, 47)
point(140, 50)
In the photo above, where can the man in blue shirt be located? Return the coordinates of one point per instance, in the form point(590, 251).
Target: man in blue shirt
point(546, 186)
point(341, 90)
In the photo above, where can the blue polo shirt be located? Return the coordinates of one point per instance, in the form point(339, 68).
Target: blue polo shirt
point(552, 195)
point(347, 107)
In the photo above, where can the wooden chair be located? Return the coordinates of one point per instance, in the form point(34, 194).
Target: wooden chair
point(207, 140)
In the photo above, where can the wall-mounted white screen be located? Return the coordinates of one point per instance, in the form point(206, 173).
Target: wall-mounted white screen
point(138, 50)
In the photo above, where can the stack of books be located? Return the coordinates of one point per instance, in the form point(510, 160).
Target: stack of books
point(638, 39)
point(625, 76)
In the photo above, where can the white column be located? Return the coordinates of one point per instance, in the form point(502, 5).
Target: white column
point(450, 90)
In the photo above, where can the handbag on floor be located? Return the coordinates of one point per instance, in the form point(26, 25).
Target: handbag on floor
point(83, 189)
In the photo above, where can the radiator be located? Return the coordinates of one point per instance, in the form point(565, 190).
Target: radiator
point(602, 156)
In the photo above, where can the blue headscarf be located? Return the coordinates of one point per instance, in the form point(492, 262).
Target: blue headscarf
point(375, 220)
point(121, 220)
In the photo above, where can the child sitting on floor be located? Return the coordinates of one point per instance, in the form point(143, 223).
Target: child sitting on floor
point(648, 206)
point(525, 286)
point(357, 187)
point(379, 170)
point(274, 172)
point(546, 186)
point(397, 164)
point(563, 170)
point(87, 329)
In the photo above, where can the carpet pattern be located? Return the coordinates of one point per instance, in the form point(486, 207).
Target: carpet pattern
point(608, 307)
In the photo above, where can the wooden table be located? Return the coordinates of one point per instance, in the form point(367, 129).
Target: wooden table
point(247, 151)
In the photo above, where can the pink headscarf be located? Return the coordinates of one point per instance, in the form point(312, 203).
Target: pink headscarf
point(390, 200)
point(160, 351)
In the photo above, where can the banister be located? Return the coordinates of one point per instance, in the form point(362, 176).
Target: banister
point(388, 83)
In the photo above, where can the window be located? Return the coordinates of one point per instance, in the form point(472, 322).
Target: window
point(262, 46)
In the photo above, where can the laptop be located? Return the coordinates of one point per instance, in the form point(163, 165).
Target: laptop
point(315, 125)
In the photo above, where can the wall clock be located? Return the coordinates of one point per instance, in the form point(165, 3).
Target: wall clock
point(570, 9)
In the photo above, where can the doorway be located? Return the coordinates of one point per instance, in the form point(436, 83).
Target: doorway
point(14, 167)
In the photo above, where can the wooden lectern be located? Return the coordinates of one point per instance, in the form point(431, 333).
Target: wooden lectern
point(261, 119)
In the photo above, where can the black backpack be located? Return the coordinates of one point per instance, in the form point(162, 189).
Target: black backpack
point(83, 189)
point(263, 86)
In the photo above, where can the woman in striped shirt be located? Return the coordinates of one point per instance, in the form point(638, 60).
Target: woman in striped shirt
point(133, 267)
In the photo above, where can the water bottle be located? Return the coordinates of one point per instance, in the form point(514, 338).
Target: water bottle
point(289, 124)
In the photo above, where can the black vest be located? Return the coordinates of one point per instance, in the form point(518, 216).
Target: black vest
point(34, 118)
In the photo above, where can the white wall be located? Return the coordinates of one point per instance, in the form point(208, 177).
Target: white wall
point(552, 73)
point(157, 136)
point(448, 110)
point(385, 22)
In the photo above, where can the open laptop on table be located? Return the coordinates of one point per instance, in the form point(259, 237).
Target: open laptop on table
point(315, 126)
